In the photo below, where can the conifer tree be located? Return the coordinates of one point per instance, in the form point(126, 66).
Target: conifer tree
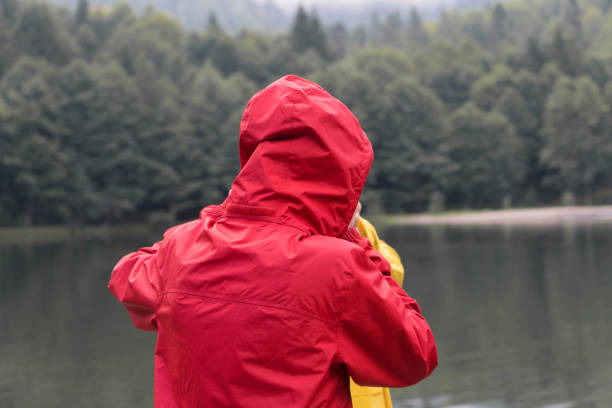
point(417, 33)
point(81, 13)
point(498, 26)
point(571, 15)
point(307, 32)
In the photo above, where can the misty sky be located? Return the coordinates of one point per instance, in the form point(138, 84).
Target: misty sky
point(289, 5)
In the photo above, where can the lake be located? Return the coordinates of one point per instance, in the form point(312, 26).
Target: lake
point(522, 318)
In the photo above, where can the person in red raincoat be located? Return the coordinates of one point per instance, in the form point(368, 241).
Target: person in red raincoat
point(270, 299)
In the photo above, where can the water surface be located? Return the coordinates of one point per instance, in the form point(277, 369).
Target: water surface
point(522, 318)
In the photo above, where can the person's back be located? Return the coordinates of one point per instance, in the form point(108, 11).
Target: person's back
point(269, 300)
point(242, 323)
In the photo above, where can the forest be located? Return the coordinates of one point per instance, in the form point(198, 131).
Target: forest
point(108, 115)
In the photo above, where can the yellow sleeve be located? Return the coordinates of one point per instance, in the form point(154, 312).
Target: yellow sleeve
point(376, 397)
point(367, 230)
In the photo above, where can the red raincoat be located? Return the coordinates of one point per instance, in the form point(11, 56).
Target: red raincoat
point(268, 299)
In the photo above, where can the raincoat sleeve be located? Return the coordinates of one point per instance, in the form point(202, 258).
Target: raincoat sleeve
point(134, 282)
point(376, 397)
point(382, 337)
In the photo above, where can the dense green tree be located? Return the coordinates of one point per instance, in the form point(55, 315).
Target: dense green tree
point(300, 32)
point(576, 141)
point(33, 165)
point(450, 28)
point(307, 33)
point(531, 90)
point(524, 112)
point(38, 33)
point(6, 47)
point(565, 51)
point(547, 77)
point(393, 30)
point(478, 29)
point(339, 40)
point(216, 46)
point(450, 70)
point(109, 114)
point(411, 150)
point(597, 69)
point(514, 107)
point(533, 58)
point(499, 22)
point(29, 101)
point(362, 84)
point(417, 33)
point(153, 38)
point(104, 22)
point(39, 179)
point(489, 157)
point(364, 97)
point(489, 88)
point(9, 9)
point(87, 41)
point(571, 15)
point(383, 65)
point(81, 13)
point(608, 94)
point(7, 203)
point(98, 105)
point(254, 50)
point(213, 26)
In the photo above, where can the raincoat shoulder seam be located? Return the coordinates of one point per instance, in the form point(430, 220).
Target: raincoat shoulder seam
point(256, 218)
point(262, 304)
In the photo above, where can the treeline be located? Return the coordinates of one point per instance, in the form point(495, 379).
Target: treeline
point(232, 14)
point(107, 115)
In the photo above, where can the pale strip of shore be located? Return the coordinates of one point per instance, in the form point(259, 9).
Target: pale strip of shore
point(548, 216)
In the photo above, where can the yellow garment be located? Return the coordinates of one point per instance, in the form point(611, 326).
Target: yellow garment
point(376, 397)
point(367, 230)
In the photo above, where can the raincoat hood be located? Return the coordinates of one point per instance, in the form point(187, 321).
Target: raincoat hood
point(304, 158)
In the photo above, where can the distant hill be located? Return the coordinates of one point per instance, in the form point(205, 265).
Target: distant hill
point(231, 14)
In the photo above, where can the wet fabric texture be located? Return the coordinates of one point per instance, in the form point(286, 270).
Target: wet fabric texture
point(269, 299)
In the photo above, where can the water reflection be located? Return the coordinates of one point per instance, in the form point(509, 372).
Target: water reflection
point(64, 341)
point(521, 317)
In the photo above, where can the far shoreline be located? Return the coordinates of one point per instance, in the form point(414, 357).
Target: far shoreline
point(544, 216)
point(519, 217)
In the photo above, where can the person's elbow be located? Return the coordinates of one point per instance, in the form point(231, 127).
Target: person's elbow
point(131, 285)
point(420, 361)
point(427, 360)
point(121, 283)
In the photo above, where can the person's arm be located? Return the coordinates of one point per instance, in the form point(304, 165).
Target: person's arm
point(367, 230)
point(382, 337)
point(134, 282)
